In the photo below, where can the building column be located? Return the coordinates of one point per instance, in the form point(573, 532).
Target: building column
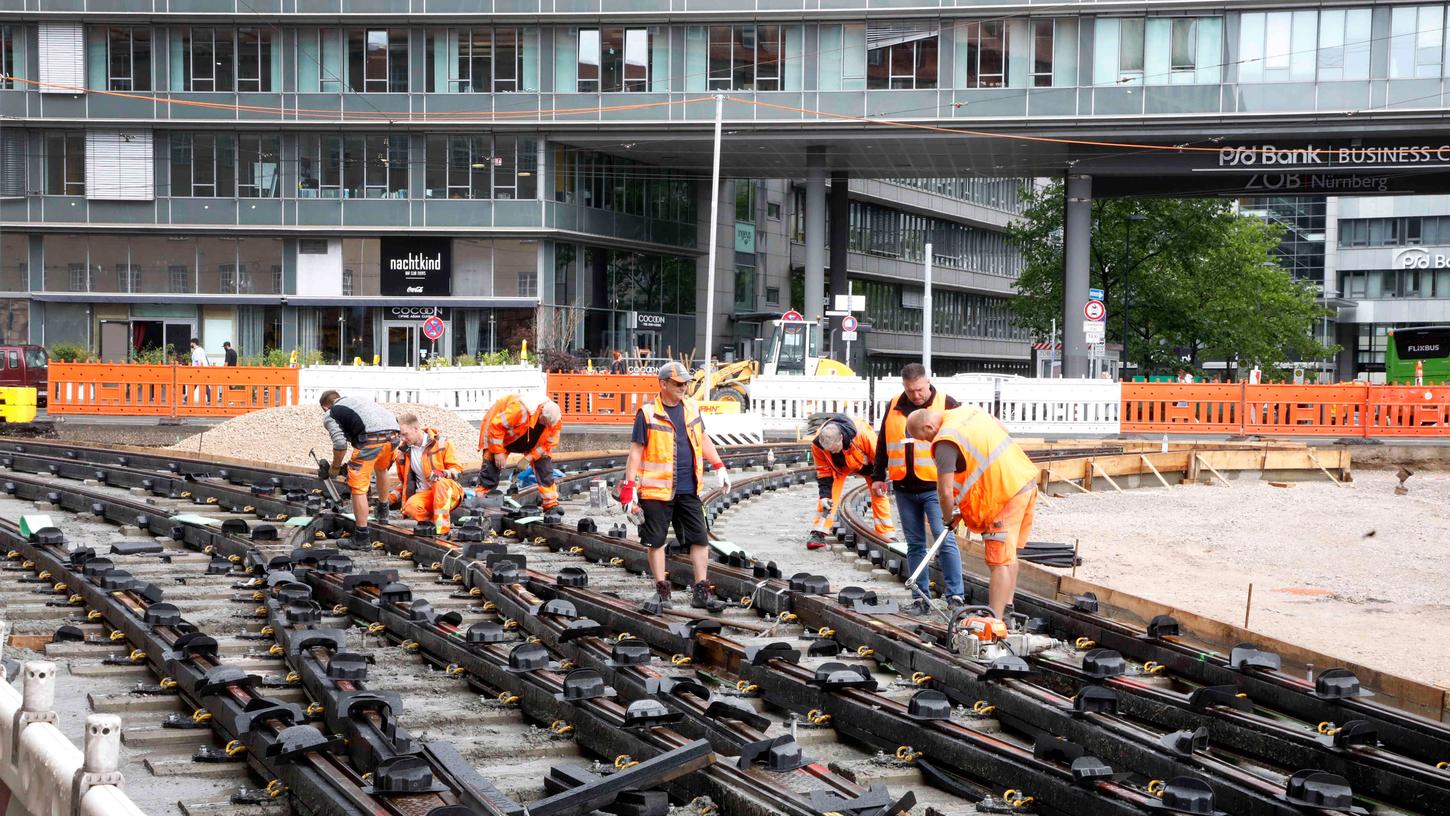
point(815, 306)
point(840, 247)
point(1077, 268)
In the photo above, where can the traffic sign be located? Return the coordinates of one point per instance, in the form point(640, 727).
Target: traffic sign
point(848, 336)
point(434, 327)
point(792, 315)
point(1094, 331)
point(1095, 294)
point(1094, 310)
point(848, 325)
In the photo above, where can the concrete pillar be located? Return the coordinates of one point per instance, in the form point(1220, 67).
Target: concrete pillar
point(814, 306)
point(840, 247)
point(1077, 265)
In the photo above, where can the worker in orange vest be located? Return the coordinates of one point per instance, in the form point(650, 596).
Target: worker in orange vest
point(842, 448)
point(1419, 372)
point(989, 484)
point(667, 451)
point(428, 472)
point(521, 425)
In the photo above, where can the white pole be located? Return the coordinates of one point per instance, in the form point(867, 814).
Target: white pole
point(714, 237)
point(1052, 347)
point(926, 315)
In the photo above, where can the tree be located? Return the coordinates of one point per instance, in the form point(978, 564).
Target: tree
point(1203, 281)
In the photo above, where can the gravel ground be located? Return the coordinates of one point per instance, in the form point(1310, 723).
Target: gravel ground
point(284, 435)
point(1352, 571)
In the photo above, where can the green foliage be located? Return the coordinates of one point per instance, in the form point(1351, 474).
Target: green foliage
point(466, 360)
point(68, 353)
point(502, 357)
point(1202, 281)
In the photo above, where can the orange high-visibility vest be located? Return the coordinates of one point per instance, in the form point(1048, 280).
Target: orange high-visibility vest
point(997, 467)
point(861, 453)
point(508, 421)
point(438, 455)
point(921, 461)
point(657, 468)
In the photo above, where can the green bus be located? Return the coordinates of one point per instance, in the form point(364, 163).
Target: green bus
point(1427, 345)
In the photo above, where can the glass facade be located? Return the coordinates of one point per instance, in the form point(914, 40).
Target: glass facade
point(1415, 230)
point(1301, 247)
point(895, 307)
point(14, 40)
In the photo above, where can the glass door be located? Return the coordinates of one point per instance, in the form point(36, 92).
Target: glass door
point(402, 348)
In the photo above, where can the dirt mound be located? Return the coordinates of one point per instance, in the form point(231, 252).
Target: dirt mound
point(284, 435)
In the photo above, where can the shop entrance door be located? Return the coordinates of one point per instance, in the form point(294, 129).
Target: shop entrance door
point(402, 345)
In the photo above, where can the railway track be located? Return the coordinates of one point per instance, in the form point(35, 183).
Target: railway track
point(525, 638)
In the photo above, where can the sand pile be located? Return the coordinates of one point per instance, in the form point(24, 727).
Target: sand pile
point(284, 435)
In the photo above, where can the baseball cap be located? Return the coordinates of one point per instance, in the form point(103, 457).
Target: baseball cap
point(674, 371)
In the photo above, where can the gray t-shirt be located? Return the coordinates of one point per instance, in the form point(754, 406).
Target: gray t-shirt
point(948, 458)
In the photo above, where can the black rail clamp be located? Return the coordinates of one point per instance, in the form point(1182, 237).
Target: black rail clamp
point(823, 647)
point(867, 602)
point(836, 676)
point(394, 593)
point(296, 741)
point(403, 775)
point(1163, 626)
point(1006, 666)
point(648, 713)
point(487, 632)
point(1354, 732)
point(584, 684)
point(374, 578)
point(1246, 656)
point(1101, 664)
point(576, 577)
point(627, 654)
point(529, 657)
point(1232, 697)
point(1187, 794)
point(1311, 788)
point(1089, 770)
point(779, 650)
point(693, 628)
point(780, 754)
point(1095, 700)
point(1339, 684)
point(810, 584)
point(296, 641)
point(876, 801)
point(1185, 743)
point(929, 705)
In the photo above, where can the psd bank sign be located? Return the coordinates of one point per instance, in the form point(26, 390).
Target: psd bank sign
point(1420, 258)
point(416, 267)
point(1311, 157)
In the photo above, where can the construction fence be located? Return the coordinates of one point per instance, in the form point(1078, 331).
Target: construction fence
point(781, 404)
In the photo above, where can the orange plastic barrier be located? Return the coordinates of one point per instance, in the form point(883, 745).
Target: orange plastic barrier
point(1407, 410)
point(1305, 410)
point(1210, 408)
point(602, 399)
point(156, 390)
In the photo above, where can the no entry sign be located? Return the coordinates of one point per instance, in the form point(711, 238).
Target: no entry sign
point(1094, 310)
point(434, 327)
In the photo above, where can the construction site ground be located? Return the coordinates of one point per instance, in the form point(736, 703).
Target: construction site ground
point(1352, 571)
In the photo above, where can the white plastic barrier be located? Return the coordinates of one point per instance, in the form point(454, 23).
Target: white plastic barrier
point(1029, 407)
point(42, 769)
point(968, 389)
point(784, 403)
point(469, 390)
point(735, 429)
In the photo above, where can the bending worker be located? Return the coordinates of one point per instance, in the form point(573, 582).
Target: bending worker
point(907, 462)
point(843, 447)
point(372, 430)
point(667, 452)
point(516, 424)
point(428, 472)
point(989, 484)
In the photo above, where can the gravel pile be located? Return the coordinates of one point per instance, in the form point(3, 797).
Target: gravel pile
point(284, 435)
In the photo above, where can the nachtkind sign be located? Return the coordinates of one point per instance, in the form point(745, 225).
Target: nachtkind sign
point(1421, 258)
point(417, 267)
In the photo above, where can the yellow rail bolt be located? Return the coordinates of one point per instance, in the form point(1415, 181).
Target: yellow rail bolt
point(1156, 786)
point(561, 727)
point(920, 678)
point(905, 753)
point(680, 660)
point(235, 747)
point(275, 788)
point(1016, 798)
point(1084, 643)
point(117, 634)
point(625, 761)
point(1153, 667)
point(201, 715)
point(507, 698)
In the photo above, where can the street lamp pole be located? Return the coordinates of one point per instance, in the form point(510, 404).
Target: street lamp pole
point(1132, 219)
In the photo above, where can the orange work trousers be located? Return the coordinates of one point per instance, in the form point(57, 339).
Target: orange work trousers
point(880, 510)
point(434, 502)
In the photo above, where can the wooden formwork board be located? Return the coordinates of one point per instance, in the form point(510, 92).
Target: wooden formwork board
point(1185, 465)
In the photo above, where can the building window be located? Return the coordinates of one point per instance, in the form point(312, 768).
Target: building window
point(772, 210)
point(483, 60)
point(82, 279)
point(257, 161)
point(1416, 38)
point(745, 193)
point(12, 56)
point(222, 59)
point(203, 165)
point(528, 283)
point(614, 59)
point(1042, 45)
point(986, 54)
point(745, 57)
point(120, 58)
point(1343, 44)
point(1279, 46)
point(352, 166)
point(65, 163)
point(745, 287)
point(772, 295)
point(178, 279)
point(901, 55)
point(482, 167)
point(377, 60)
point(347, 280)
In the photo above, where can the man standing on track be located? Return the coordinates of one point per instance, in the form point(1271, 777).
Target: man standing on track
point(989, 484)
point(372, 430)
point(517, 424)
point(844, 447)
point(667, 452)
point(908, 464)
point(428, 471)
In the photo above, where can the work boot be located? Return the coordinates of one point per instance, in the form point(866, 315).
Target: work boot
point(817, 541)
point(380, 511)
point(700, 597)
point(663, 590)
point(442, 525)
point(919, 608)
point(362, 539)
point(955, 603)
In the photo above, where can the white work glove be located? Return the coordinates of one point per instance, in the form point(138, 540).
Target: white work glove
point(722, 477)
point(826, 506)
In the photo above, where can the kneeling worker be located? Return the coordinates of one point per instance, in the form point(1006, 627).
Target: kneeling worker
point(667, 452)
point(843, 447)
point(986, 479)
point(516, 424)
point(428, 471)
point(372, 430)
